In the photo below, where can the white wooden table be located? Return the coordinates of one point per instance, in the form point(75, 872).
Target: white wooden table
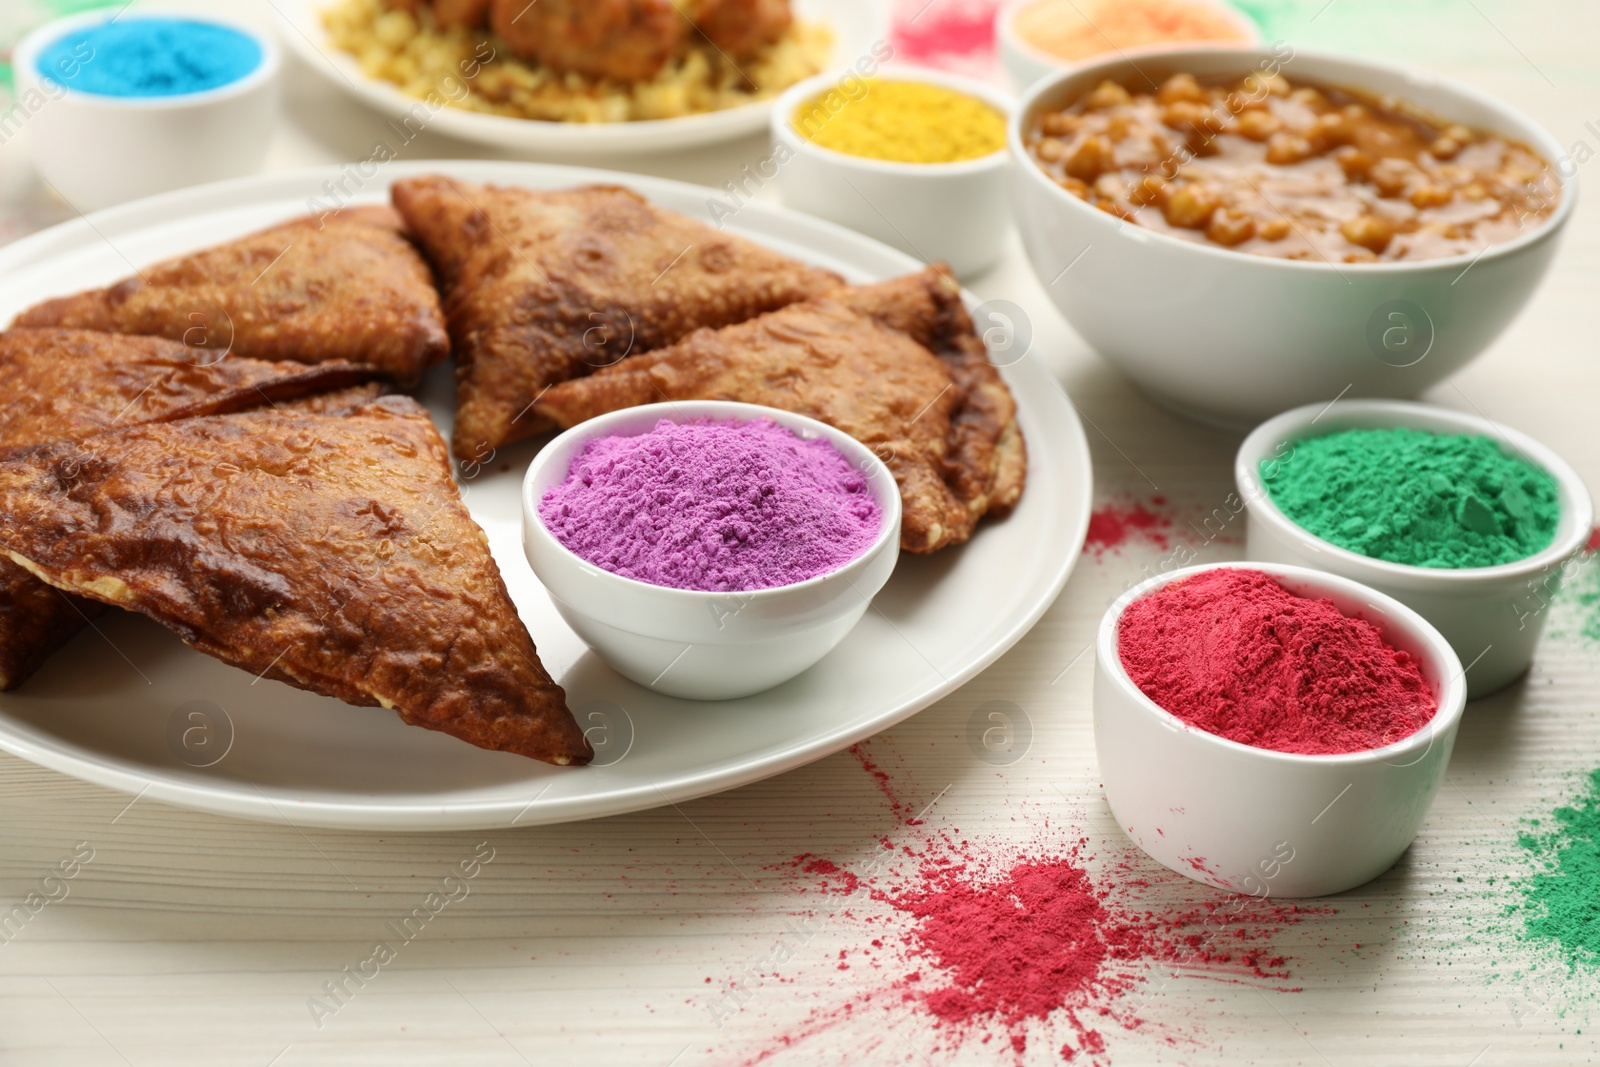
point(191, 939)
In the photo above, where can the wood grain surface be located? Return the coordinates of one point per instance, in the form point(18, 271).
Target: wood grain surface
point(193, 939)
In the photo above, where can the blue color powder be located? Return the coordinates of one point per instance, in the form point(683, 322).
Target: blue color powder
point(139, 57)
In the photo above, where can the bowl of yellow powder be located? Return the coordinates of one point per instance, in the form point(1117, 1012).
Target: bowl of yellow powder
point(916, 158)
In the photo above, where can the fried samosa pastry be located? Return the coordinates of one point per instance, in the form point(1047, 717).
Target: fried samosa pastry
point(330, 552)
point(346, 287)
point(541, 287)
point(73, 384)
point(897, 366)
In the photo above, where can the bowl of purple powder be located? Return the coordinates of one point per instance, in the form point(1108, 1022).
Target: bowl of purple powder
point(708, 549)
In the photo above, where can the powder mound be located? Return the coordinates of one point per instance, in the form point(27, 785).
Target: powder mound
point(148, 57)
point(1417, 498)
point(1234, 653)
point(713, 506)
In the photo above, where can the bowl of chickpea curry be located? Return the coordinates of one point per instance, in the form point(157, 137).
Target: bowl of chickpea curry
point(1244, 230)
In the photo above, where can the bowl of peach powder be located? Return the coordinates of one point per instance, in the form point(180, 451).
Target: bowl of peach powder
point(1269, 729)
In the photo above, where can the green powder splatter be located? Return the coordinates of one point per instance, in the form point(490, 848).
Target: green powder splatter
point(1561, 901)
point(1577, 605)
point(1418, 498)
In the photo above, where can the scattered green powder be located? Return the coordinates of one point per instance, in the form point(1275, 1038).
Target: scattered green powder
point(1418, 498)
point(1577, 611)
point(1561, 901)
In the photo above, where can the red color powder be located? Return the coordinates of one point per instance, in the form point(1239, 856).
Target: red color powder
point(931, 30)
point(1039, 941)
point(1001, 955)
point(881, 777)
point(1112, 526)
point(1234, 653)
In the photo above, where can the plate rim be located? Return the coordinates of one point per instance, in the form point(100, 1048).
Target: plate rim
point(1024, 376)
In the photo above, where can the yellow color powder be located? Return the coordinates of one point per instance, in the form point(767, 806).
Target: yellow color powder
point(901, 121)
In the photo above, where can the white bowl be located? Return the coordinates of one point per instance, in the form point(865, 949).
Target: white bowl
point(957, 213)
point(1492, 616)
point(690, 643)
point(1234, 337)
point(1259, 821)
point(102, 150)
point(1026, 63)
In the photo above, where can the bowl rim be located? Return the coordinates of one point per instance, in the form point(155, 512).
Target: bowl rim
point(680, 411)
point(1442, 660)
point(1530, 132)
point(1260, 443)
point(26, 54)
point(785, 104)
point(1006, 35)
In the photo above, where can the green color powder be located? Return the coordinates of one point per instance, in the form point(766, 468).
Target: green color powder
point(1561, 902)
point(1418, 498)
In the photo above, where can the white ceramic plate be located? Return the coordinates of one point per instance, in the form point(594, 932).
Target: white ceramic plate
point(107, 708)
point(857, 25)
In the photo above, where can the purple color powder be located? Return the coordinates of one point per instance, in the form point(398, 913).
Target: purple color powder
point(714, 506)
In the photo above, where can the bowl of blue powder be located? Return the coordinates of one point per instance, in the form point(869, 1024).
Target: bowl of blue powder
point(118, 104)
point(710, 549)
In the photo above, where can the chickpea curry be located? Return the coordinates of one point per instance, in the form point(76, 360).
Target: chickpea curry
point(1267, 167)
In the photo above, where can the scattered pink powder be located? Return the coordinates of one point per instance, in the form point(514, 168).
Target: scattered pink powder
point(716, 506)
point(1045, 944)
point(1114, 525)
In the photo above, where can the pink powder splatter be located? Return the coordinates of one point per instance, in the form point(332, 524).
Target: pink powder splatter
point(1117, 524)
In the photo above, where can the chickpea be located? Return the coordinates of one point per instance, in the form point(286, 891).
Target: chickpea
point(1110, 187)
point(1459, 133)
point(1355, 163)
point(1391, 176)
point(1331, 131)
point(1230, 227)
point(1184, 115)
point(1075, 187)
point(1190, 207)
point(1285, 148)
point(1369, 231)
point(1111, 207)
point(1118, 128)
point(1273, 230)
point(1353, 112)
point(1107, 94)
point(1431, 196)
point(1149, 190)
point(1475, 191)
point(1092, 158)
point(1050, 149)
point(1180, 87)
point(1308, 97)
point(1060, 124)
point(1445, 148)
point(1258, 86)
point(1259, 125)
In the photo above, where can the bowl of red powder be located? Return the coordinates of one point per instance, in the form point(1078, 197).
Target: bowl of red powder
point(1272, 730)
point(708, 549)
point(1469, 523)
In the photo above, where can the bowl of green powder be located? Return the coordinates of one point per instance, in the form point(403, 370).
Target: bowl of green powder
point(1471, 524)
